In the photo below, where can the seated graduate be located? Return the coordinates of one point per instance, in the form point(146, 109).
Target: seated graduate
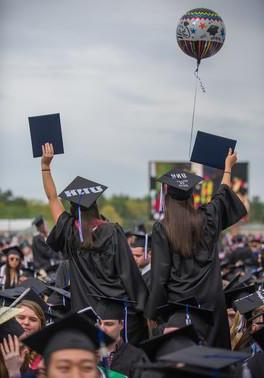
point(185, 260)
point(121, 356)
point(69, 348)
point(141, 250)
point(100, 260)
point(43, 255)
point(11, 270)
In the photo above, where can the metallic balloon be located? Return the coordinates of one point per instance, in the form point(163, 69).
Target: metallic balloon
point(200, 33)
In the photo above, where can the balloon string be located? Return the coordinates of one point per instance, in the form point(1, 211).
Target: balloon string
point(194, 102)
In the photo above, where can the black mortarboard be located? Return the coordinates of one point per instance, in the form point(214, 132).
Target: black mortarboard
point(110, 309)
point(60, 299)
point(46, 129)
point(34, 283)
point(38, 221)
point(14, 250)
point(172, 341)
point(201, 356)
point(9, 325)
point(258, 336)
point(250, 302)
point(180, 183)
point(233, 282)
point(211, 150)
point(236, 293)
point(194, 313)
point(72, 332)
point(82, 192)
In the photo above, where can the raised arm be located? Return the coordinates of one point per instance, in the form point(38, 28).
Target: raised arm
point(56, 206)
point(230, 161)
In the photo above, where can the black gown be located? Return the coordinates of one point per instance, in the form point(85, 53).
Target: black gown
point(175, 277)
point(125, 359)
point(108, 269)
point(42, 253)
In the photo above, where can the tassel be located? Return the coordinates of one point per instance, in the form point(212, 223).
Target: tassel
point(188, 320)
point(80, 220)
point(161, 200)
point(125, 323)
point(146, 247)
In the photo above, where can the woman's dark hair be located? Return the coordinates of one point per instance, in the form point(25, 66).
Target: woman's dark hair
point(8, 282)
point(183, 225)
point(87, 217)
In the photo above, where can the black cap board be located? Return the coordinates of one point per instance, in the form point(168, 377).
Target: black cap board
point(180, 183)
point(10, 327)
point(34, 283)
point(250, 302)
point(211, 150)
point(72, 332)
point(13, 250)
point(201, 356)
point(110, 309)
point(141, 241)
point(82, 192)
point(38, 221)
point(45, 129)
point(238, 292)
point(176, 340)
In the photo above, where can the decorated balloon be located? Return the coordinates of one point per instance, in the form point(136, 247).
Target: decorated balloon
point(200, 33)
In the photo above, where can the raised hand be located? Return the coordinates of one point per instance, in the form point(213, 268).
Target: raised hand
point(47, 155)
point(230, 160)
point(12, 355)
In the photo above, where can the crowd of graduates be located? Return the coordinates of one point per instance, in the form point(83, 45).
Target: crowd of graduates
point(89, 299)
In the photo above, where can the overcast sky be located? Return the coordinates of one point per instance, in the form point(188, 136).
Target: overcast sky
point(123, 88)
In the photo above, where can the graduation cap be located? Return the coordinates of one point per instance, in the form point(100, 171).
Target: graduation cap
point(142, 240)
point(248, 303)
point(9, 325)
point(110, 308)
point(158, 346)
point(13, 250)
point(233, 294)
point(211, 150)
point(82, 193)
point(206, 357)
point(39, 286)
point(180, 184)
point(59, 299)
point(72, 332)
point(38, 221)
point(46, 129)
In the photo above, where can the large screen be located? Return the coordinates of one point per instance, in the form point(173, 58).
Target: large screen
point(203, 192)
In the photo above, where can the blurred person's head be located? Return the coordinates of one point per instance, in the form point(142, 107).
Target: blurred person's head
point(32, 319)
point(112, 328)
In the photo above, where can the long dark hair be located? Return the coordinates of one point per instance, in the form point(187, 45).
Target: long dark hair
point(87, 218)
point(183, 225)
point(8, 282)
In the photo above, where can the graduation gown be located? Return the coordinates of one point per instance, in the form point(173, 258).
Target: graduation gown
point(107, 269)
point(175, 277)
point(256, 365)
point(125, 359)
point(42, 253)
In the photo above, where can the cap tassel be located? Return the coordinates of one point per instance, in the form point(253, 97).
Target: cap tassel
point(146, 247)
point(161, 200)
point(125, 323)
point(188, 320)
point(80, 220)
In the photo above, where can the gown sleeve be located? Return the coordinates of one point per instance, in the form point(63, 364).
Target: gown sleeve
point(62, 231)
point(224, 210)
point(160, 270)
point(128, 271)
